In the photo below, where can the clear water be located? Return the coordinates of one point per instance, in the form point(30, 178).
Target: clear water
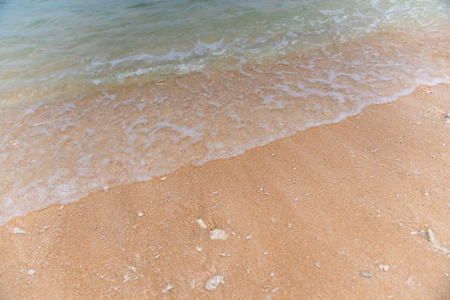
point(95, 94)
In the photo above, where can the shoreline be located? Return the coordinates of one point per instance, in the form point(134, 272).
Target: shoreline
point(62, 151)
point(318, 214)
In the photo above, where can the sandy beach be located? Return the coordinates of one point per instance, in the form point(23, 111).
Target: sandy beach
point(354, 210)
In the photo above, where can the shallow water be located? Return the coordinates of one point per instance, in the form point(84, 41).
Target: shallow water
point(57, 49)
point(95, 95)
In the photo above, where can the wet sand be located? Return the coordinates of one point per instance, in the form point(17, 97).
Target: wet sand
point(354, 210)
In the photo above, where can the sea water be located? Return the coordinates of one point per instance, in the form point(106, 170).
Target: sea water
point(95, 94)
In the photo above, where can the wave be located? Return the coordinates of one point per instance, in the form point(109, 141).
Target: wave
point(58, 152)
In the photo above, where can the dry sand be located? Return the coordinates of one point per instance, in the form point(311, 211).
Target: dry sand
point(342, 211)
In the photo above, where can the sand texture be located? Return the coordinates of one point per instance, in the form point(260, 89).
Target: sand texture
point(354, 210)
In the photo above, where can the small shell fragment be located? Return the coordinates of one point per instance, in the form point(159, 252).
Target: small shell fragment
point(16, 230)
point(217, 234)
point(31, 272)
point(214, 282)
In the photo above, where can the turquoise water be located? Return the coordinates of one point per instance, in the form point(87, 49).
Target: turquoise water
point(50, 45)
point(95, 94)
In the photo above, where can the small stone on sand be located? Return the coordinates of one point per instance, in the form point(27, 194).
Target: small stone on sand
point(366, 274)
point(201, 223)
point(431, 236)
point(384, 267)
point(167, 288)
point(214, 282)
point(447, 117)
point(217, 234)
point(132, 269)
point(31, 272)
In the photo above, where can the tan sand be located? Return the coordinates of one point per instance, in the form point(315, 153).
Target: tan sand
point(334, 212)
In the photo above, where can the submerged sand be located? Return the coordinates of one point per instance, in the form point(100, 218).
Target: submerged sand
point(341, 211)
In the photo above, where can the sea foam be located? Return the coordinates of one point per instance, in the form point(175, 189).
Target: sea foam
point(111, 119)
